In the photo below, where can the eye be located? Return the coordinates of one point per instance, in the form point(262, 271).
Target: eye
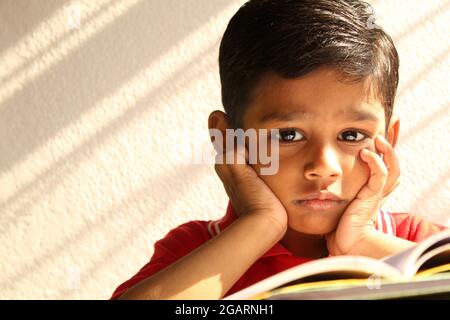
point(352, 136)
point(288, 135)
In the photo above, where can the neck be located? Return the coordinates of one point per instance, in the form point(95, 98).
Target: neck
point(305, 245)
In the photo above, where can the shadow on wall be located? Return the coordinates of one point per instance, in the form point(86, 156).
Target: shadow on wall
point(136, 40)
point(432, 14)
point(49, 180)
point(22, 125)
point(25, 124)
point(134, 231)
point(14, 27)
point(429, 195)
point(58, 29)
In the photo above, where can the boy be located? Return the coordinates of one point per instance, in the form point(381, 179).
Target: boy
point(325, 79)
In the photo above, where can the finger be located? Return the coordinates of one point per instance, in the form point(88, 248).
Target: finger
point(378, 171)
point(386, 193)
point(235, 165)
point(391, 162)
point(228, 176)
point(223, 173)
point(223, 164)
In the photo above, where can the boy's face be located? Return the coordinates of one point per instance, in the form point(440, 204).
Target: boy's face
point(323, 123)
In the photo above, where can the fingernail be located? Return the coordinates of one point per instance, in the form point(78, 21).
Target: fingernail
point(364, 152)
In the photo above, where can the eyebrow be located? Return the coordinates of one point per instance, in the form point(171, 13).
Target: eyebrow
point(284, 117)
point(352, 114)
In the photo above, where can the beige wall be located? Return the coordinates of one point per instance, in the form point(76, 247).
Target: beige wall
point(90, 116)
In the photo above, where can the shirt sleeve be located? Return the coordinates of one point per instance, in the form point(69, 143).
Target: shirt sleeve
point(177, 243)
point(415, 228)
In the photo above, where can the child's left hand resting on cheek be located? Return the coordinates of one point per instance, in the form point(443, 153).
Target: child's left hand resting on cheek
point(356, 233)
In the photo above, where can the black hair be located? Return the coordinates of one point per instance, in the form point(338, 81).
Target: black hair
point(295, 37)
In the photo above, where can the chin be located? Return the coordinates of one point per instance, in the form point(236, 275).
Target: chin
point(314, 223)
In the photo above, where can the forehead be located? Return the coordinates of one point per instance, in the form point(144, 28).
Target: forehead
point(320, 94)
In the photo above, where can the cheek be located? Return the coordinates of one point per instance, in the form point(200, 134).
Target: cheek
point(356, 175)
point(271, 179)
point(361, 170)
point(354, 163)
point(282, 182)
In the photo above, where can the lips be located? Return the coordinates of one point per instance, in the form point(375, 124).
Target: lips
point(321, 196)
point(320, 201)
point(319, 204)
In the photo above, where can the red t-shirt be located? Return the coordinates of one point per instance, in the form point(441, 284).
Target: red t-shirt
point(188, 236)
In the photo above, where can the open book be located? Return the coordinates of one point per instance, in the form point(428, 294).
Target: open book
point(422, 270)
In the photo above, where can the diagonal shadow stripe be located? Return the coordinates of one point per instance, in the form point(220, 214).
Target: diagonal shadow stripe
point(422, 74)
point(428, 195)
point(55, 43)
point(431, 15)
point(51, 178)
point(32, 14)
point(425, 123)
point(135, 199)
point(58, 110)
point(130, 237)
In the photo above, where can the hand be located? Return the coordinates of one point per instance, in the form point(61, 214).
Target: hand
point(358, 220)
point(248, 193)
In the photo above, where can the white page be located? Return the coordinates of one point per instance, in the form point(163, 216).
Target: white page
point(364, 265)
point(406, 261)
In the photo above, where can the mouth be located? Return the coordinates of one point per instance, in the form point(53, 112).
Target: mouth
point(319, 205)
point(324, 200)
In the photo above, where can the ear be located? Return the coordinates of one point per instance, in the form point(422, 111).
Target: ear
point(393, 130)
point(218, 122)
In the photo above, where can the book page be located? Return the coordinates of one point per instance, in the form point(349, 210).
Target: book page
point(437, 286)
point(408, 261)
point(399, 267)
point(435, 257)
point(335, 267)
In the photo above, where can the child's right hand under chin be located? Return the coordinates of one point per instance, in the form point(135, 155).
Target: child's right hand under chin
point(248, 193)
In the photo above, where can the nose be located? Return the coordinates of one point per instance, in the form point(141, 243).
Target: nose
point(323, 166)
